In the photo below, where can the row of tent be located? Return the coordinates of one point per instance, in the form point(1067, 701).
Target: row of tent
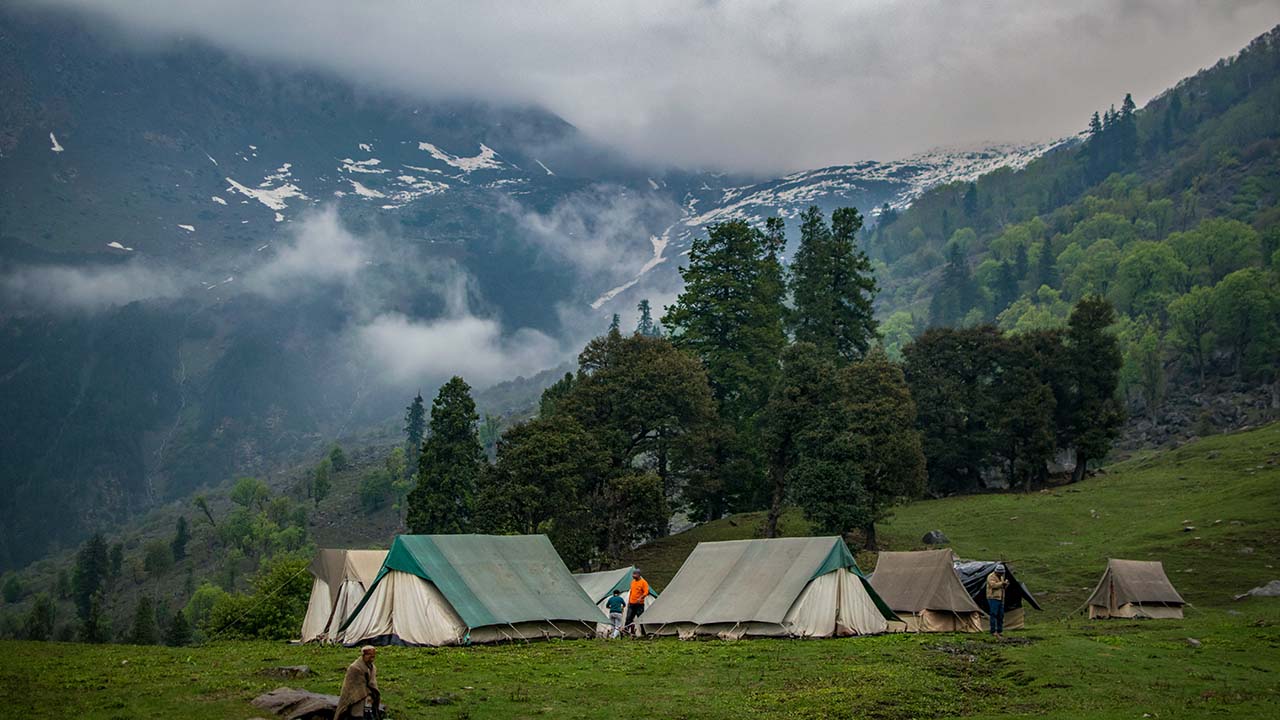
point(461, 589)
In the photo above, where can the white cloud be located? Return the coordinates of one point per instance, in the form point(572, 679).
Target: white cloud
point(87, 289)
point(602, 232)
point(322, 250)
point(749, 84)
point(476, 348)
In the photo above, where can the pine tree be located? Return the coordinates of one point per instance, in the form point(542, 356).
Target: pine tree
point(91, 573)
point(179, 632)
point(615, 322)
point(798, 403)
point(144, 630)
point(94, 628)
point(322, 480)
point(1092, 417)
point(832, 286)
point(1046, 267)
point(1127, 126)
point(645, 326)
point(415, 428)
point(180, 539)
point(451, 462)
point(729, 314)
point(971, 201)
point(956, 294)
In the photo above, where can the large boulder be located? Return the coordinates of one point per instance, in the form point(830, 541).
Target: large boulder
point(935, 537)
point(293, 704)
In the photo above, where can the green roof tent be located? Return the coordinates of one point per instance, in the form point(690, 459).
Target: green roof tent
point(780, 587)
point(462, 589)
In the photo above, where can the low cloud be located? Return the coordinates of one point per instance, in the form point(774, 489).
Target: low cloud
point(459, 342)
point(87, 289)
point(603, 232)
point(753, 85)
point(322, 250)
point(476, 348)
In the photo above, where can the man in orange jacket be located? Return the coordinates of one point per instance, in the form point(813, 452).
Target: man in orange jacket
point(635, 601)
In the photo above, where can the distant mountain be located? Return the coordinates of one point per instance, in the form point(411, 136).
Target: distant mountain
point(196, 249)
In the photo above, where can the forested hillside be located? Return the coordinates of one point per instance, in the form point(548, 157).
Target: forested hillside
point(1169, 211)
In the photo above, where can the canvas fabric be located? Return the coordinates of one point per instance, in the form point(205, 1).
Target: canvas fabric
point(1134, 582)
point(340, 579)
point(1136, 611)
point(833, 605)
point(773, 587)
point(914, 582)
point(460, 589)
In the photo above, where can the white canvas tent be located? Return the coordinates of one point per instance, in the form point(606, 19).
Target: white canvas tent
point(463, 589)
point(1135, 589)
point(781, 587)
point(339, 579)
point(925, 591)
point(599, 586)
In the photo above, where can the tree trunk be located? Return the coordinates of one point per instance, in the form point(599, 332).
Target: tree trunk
point(1077, 474)
point(870, 535)
point(775, 505)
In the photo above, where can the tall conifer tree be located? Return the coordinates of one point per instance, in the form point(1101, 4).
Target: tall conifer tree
point(452, 459)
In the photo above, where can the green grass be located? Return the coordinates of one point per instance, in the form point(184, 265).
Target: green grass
point(1072, 668)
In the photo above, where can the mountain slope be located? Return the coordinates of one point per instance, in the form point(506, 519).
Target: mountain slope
point(212, 266)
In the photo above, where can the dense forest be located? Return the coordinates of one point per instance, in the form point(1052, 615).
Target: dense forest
point(1030, 313)
point(1170, 212)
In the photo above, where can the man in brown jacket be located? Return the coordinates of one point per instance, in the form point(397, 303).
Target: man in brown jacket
point(359, 684)
point(996, 584)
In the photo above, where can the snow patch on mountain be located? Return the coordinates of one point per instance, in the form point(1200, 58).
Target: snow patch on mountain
point(218, 200)
point(363, 166)
point(56, 147)
point(487, 159)
point(363, 191)
point(273, 198)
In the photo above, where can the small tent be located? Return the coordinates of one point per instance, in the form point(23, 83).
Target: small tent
point(974, 573)
point(599, 586)
point(463, 589)
point(924, 590)
point(1135, 589)
point(781, 587)
point(339, 579)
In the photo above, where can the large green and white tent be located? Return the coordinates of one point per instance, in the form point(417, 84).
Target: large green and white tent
point(340, 579)
point(781, 587)
point(463, 589)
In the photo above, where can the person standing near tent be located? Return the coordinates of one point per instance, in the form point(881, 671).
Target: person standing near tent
point(996, 584)
point(359, 685)
point(635, 601)
point(615, 604)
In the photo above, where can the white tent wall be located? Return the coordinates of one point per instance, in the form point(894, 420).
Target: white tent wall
point(316, 622)
point(832, 605)
point(940, 621)
point(409, 608)
point(1135, 610)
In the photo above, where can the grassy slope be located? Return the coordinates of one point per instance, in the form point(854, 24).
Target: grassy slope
point(1068, 669)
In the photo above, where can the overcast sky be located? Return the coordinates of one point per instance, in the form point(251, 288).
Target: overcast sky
point(746, 85)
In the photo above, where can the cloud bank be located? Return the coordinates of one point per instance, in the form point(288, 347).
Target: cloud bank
point(752, 85)
point(65, 288)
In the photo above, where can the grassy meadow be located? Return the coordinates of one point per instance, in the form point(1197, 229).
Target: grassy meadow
point(1227, 488)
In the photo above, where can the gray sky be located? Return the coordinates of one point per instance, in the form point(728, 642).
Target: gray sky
point(746, 85)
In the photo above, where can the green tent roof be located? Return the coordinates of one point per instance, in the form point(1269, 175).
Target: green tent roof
point(492, 579)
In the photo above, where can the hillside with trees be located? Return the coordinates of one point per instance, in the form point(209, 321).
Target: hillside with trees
point(1168, 211)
